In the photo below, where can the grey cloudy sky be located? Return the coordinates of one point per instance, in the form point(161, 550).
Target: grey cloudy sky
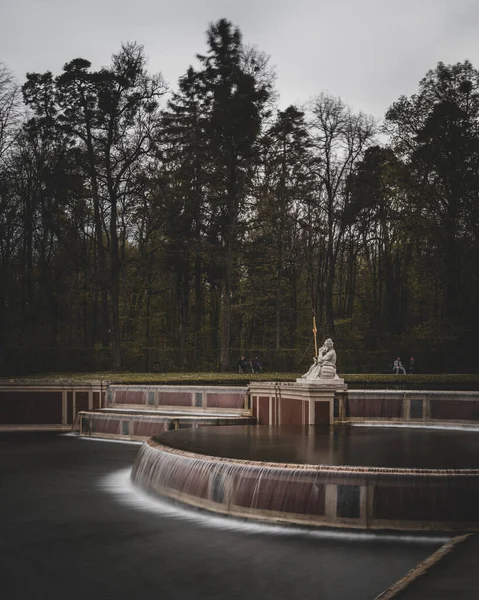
point(368, 52)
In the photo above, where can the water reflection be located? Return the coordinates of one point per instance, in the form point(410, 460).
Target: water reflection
point(338, 445)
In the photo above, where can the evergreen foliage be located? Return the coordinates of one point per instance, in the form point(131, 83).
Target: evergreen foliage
point(153, 230)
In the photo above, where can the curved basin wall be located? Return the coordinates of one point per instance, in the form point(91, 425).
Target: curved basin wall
point(231, 399)
point(358, 497)
point(137, 426)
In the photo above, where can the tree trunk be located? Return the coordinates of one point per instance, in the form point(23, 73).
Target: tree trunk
point(114, 284)
point(198, 316)
point(225, 323)
point(183, 296)
point(148, 315)
point(101, 268)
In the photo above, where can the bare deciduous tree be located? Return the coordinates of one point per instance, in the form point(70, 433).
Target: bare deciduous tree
point(10, 106)
point(340, 138)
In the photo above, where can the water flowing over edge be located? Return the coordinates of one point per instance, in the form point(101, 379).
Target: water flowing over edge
point(122, 488)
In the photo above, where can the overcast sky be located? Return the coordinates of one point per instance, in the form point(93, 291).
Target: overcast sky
point(368, 52)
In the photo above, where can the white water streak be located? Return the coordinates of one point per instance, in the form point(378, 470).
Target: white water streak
point(105, 440)
point(417, 426)
point(120, 485)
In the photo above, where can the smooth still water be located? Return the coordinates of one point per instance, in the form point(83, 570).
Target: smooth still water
point(72, 527)
point(393, 447)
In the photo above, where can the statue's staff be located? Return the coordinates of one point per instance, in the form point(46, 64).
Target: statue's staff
point(315, 331)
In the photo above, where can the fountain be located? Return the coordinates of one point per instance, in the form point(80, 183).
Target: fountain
point(137, 412)
point(303, 469)
point(320, 475)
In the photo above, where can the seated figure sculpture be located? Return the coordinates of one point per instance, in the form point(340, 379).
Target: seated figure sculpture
point(324, 365)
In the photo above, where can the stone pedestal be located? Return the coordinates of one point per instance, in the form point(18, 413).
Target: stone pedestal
point(304, 402)
point(331, 382)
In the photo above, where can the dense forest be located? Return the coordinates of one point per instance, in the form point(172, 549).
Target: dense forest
point(146, 228)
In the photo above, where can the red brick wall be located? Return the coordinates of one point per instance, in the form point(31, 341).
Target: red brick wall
point(30, 408)
point(148, 428)
point(291, 411)
point(174, 398)
point(81, 401)
point(129, 397)
point(426, 502)
point(386, 408)
point(461, 410)
point(284, 495)
point(225, 400)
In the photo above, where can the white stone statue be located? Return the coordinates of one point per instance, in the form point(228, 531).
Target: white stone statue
point(324, 365)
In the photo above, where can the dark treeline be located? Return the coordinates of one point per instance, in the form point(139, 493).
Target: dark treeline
point(147, 229)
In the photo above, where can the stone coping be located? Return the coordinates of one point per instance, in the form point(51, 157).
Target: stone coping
point(32, 427)
point(326, 469)
point(12, 383)
point(184, 388)
point(353, 392)
point(472, 393)
point(38, 383)
point(295, 384)
point(124, 414)
point(301, 385)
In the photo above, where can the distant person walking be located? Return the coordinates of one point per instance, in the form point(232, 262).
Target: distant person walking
point(397, 366)
point(411, 365)
point(256, 365)
point(243, 365)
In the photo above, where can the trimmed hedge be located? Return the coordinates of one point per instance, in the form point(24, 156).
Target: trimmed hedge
point(430, 381)
point(16, 362)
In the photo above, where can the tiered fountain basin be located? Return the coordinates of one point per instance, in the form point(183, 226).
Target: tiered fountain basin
point(142, 424)
point(137, 412)
point(206, 398)
point(341, 476)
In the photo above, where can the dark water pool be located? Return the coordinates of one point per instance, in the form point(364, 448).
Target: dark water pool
point(65, 534)
point(419, 448)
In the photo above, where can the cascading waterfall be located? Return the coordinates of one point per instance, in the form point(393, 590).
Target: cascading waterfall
point(197, 397)
point(141, 411)
point(441, 496)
